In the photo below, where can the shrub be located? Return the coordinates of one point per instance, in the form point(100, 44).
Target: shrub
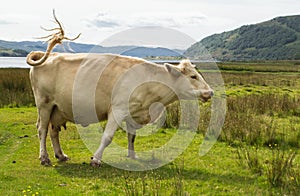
point(280, 168)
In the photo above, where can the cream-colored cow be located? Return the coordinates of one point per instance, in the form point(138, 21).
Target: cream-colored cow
point(125, 89)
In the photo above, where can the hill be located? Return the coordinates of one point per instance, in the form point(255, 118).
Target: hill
point(12, 52)
point(276, 39)
point(8, 48)
point(143, 52)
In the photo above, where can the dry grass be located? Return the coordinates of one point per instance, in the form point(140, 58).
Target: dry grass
point(15, 89)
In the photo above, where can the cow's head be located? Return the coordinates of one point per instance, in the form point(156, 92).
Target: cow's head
point(188, 82)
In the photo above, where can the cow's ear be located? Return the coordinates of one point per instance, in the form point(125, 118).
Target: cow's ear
point(165, 64)
point(172, 70)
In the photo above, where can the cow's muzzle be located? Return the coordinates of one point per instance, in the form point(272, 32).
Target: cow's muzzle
point(206, 95)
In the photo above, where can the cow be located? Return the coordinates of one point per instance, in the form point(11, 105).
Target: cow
point(117, 98)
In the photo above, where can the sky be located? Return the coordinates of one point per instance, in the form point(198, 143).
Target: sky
point(99, 20)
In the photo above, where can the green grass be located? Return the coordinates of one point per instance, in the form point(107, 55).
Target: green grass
point(261, 66)
point(218, 172)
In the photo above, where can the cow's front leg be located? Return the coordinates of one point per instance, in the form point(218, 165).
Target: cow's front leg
point(54, 135)
point(107, 137)
point(131, 133)
point(43, 122)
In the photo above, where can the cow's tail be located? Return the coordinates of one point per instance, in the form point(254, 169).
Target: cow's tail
point(38, 58)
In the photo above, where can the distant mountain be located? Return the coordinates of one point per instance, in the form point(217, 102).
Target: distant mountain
point(143, 52)
point(12, 52)
point(277, 39)
point(25, 45)
point(8, 48)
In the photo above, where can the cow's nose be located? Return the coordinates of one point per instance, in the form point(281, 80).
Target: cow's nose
point(207, 94)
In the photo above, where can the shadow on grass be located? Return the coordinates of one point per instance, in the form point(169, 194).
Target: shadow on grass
point(166, 172)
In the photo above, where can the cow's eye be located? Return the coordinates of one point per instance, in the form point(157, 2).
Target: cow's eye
point(194, 77)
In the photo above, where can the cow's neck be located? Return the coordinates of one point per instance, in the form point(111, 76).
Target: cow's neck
point(162, 92)
point(163, 95)
point(147, 100)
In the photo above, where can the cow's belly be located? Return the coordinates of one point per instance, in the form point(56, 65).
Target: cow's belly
point(82, 113)
point(80, 105)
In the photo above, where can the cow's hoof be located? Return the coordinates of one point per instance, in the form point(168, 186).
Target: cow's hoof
point(63, 158)
point(46, 162)
point(95, 163)
point(133, 156)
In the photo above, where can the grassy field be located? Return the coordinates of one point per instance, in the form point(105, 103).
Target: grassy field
point(256, 154)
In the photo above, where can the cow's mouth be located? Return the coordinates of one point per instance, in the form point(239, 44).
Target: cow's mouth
point(206, 95)
point(204, 99)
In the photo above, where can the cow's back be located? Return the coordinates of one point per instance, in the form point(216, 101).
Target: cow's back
point(79, 83)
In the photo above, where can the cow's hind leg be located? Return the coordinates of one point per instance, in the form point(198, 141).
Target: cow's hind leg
point(54, 135)
point(107, 137)
point(44, 118)
point(131, 133)
point(56, 122)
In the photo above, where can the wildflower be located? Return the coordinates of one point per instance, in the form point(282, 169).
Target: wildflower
point(292, 178)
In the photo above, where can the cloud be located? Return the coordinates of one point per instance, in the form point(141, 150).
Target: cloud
point(175, 20)
point(103, 20)
point(6, 22)
point(103, 24)
point(194, 20)
point(145, 21)
point(150, 37)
